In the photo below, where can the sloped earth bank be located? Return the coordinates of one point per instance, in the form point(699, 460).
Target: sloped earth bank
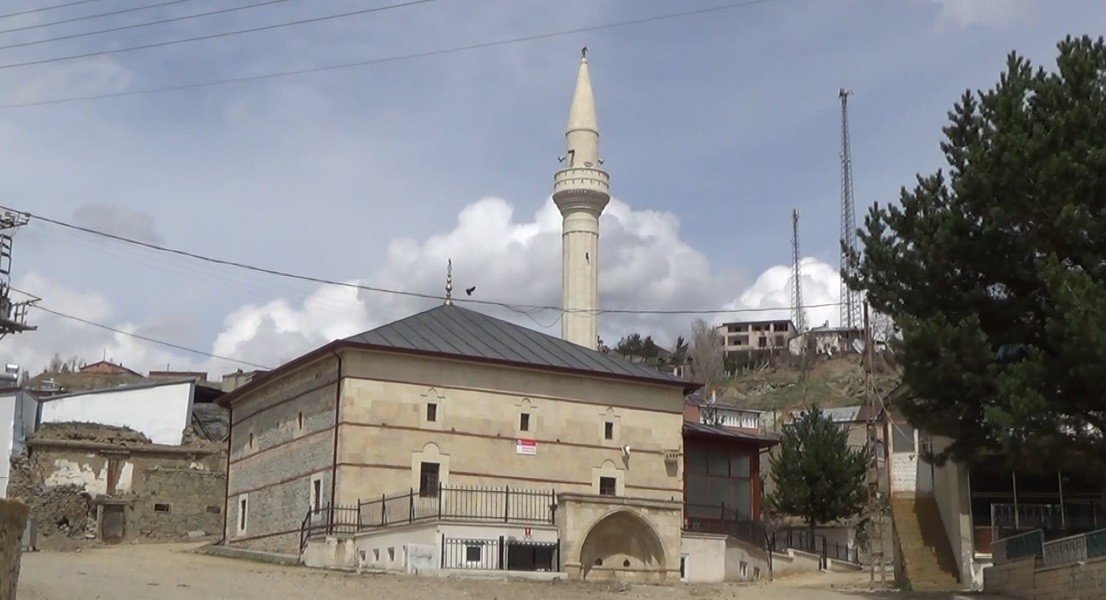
point(173, 571)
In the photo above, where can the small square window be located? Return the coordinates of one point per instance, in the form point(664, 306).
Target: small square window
point(524, 422)
point(608, 486)
point(608, 430)
point(431, 412)
point(161, 508)
point(474, 552)
point(213, 509)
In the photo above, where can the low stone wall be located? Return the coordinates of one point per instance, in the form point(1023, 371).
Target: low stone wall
point(1020, 579)
point(13, 518)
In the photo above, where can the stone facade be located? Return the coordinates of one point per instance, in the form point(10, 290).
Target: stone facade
point(582, 429)
point(282, 442)
point(13, 518)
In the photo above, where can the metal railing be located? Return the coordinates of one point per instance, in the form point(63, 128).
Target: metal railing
point(812, 542)
point(499, 554)
point(444, 503)
point(1022, 545)
point(1074, 549)
point(1053, 519)
point(505, 505)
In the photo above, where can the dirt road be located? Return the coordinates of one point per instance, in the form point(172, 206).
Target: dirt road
point(171, 572)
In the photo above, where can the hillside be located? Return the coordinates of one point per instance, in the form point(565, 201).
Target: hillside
point(829, 382)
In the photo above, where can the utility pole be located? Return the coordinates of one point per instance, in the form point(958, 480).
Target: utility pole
point(850, 299)
point(877, 506)
point(797, 313)
point(13, 315)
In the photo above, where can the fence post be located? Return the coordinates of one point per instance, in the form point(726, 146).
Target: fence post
point(383, 509)
point(502, 555)
point(440, 501)
point(506, 503)
point(411, 506)
point(443, 551)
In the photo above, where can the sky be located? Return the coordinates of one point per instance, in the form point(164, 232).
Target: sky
point(713, 128)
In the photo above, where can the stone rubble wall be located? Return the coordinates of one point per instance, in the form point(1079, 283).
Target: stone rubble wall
point(13, 518)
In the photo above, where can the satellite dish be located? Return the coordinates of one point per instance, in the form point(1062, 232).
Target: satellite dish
point(858, 345)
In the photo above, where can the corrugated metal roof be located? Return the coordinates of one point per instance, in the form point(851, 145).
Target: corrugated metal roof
point(452, 330)
point(722, 432)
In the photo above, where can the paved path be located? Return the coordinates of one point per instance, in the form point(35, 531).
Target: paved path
point(173, 571)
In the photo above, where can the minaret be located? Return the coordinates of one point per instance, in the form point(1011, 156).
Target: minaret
point(581, 190)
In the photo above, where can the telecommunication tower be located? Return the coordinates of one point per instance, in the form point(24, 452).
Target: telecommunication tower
point(850, 299)
point(797, 314)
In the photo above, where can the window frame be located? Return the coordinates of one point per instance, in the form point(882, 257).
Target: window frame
point(431, 412)
point(608, 490)
point(524, 422)
point(426, 490)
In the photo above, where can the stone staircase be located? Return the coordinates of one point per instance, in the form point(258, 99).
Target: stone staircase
point(928, 562)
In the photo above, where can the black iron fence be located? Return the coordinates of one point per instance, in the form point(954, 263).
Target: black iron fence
point(443, 503)
point(499, 554)
point(506, 505)
point(719, 519)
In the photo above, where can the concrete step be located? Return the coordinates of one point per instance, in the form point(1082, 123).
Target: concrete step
point(928, 562)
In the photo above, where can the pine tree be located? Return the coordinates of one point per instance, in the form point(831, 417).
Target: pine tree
point(995, 272)
point(818, 477)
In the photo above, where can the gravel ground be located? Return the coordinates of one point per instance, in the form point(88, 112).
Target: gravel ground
point(172, 571)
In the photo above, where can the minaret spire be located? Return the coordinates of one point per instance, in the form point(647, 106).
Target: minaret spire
point(581, 190)
point(449, 283)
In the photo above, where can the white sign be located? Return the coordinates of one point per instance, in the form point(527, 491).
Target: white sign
point(527, 447)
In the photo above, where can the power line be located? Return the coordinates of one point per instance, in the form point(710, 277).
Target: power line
point(142, 337)
point(522, 308)
point(212, 36)
point(95, 16)
point(135, 25)
point(396, 58)
point(46, 8)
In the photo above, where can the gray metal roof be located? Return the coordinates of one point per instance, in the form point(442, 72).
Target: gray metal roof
point(452, 330)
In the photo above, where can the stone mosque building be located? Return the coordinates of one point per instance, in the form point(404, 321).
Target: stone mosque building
point(454, 440)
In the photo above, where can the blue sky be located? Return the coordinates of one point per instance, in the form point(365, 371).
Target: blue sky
point(713, 128)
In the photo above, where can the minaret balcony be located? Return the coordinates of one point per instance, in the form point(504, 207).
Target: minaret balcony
point(583, 181)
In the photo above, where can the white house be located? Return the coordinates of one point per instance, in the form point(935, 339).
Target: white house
point(17, 421)
point(161, 410)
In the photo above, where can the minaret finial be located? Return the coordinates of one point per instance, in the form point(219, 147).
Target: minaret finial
point(449, 283)
point(584, 53)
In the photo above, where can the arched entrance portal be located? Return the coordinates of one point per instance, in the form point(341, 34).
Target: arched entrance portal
point(623, 545)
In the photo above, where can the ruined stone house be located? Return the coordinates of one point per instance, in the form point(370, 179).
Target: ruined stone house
point(101, 482)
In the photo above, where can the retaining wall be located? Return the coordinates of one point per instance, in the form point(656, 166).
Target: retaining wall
point(1022, 580)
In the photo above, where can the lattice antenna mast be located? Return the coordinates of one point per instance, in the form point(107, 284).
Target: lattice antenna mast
point(797, 314)
point(13, 315)
point(850, 300)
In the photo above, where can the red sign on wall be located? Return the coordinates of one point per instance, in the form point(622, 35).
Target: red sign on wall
point(528, 447)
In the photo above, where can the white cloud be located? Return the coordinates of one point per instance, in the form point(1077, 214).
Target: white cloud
point(820, 285)
point(32, 350)
point(987, 13)
point(644, 264)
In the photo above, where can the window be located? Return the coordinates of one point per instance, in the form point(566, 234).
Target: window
point(161, 508)
point(213, 509)
point(428, 480)
point(762, 342)
point(608, 486)
point(474, 552)
point(391, 554)
point(741, 340)
point(251, 441)
point(608, 430)
point(316, 493)
point(300, 419)
point(431, 412)
point(779, 340)
point(243, 506)
point(524, 422)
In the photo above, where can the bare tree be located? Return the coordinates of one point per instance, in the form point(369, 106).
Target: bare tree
point(706, 357)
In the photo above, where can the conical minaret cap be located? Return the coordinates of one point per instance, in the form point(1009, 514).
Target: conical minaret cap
point(582, 113)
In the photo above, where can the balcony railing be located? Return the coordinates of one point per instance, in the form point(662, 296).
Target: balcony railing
point(444, 503)
point(1074, 549)
point(1053, 519)
point(1022, 545)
